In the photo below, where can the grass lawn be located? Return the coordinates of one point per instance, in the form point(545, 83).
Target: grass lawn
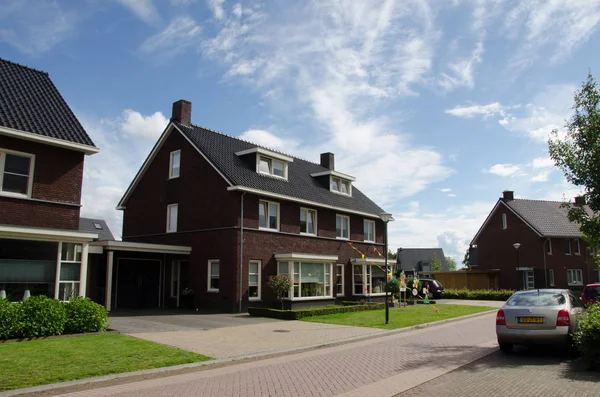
point(39, 362)
point(399, 317)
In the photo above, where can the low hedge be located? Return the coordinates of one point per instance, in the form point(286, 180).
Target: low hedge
point(587, 337)
point(357, 303)
point(478, 294)
point(319, 311)
point(41, 316)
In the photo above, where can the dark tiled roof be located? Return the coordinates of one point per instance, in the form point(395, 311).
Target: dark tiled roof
point(547, 217)
point(30, 102)
point(89, 225)
point(220, 150)
point(410, 259)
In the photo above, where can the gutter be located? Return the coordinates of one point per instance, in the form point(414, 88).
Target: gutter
point(241, 248)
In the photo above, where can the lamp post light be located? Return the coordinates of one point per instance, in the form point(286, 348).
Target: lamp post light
point(517, 245)
point(386, 217)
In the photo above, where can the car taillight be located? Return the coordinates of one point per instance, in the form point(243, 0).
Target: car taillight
point(500, 320)
point(563, 319)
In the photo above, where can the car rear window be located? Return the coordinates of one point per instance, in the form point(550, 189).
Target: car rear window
point(437, 283)
point(535, 298)
point(592, 292)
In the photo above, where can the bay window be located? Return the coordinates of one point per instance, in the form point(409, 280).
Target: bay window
point(368, 279)
point(70, 269)
point(309, 279)
point(254, 280)
point(339, 280)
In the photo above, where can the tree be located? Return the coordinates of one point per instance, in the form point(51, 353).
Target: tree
point(392, 254)
point(280, 284)
point(577, 154)
point(467, 260)
point(435, 264)
point(451, 263)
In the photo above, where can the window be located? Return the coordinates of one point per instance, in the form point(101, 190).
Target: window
point(309, 280)
point(369, 229)
point(567, 246)
point(596, 276)
point(342, 226)
point(70, 270)
point(574, 277)
point(368, 279)
point(254, 280)
point(577, 247)
point(549, 246)
point(272, 167)
point(213, 276)
point(175, 272)
point(174, 164)
point(504, 223)
point(308, 221)
point(16, 171)
point(551, 277)
point(97, 226)
point(172, 211)
point(340, 186)
point(268, 215)
point(339, 280)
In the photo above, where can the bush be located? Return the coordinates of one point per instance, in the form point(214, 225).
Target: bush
point(10, 318)
point(478, 294)
point(301, 313)
point(587, 337)
point(84, 316)
point(42, 316)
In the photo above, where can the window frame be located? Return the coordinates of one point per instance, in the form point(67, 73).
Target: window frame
point(77, 248)
point(175, 276)
point(551, 277)
point(549, 246)
point(169, 212)
point(171, 157)
point(259, 264)
point(341, 226)
point(338, 182)
point(270, 162)
point(504, 221)
point(210, 275)
point(291, 273)
point(571, 272)
point(577, 250)
point(366, 274)
point(343, 284)
point(268, 215)
point(306, 211)
point(3, 153)
point(369, 221)
point(568, 246)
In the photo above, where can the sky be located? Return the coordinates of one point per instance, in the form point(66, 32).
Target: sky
point(436, 107)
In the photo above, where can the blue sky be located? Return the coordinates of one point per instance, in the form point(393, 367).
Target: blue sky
point(435, 107)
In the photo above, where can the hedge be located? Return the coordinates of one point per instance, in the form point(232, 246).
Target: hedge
point(301, 313)
point(587, 337)
point(478, 294)
point(41, 316)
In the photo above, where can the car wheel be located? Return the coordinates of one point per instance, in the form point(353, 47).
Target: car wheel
point(506, 348)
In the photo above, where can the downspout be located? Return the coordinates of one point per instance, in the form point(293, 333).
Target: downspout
point(241, 248)
point(545, 270)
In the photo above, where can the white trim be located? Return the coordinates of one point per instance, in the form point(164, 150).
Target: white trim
point(568, 240)
point(548, 244)
point(577, 251)
point(341, 181)
point(489, 217)
point(298, 200)
point(94, 249)
point(266, 152)
point(307, 210)
point(31, 157)
point(259, 296)
point(365, 275)
point(300, 256)
point(169, 213)
point(334, 173)
point(342, 227)
point(575, 271)
point(367, 261)
point(343, 267)
point(28, 136)
point(268, 215)
point(524, 269)
point(143, 247)
point(365, 221)
point(83, 272)
point(271, 172)
point(109, 283)
point(209, 278)
point(171, 155)
point(57, 278)
point(34, 233)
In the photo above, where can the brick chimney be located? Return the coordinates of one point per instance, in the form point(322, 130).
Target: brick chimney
point(580, 200)
point(182, 112)
point(508, 195)
point(327, 160)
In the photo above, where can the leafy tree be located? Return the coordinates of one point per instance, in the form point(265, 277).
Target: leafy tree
point(467, 260)
point(280, 284)
point(435, 264)
point(577, 154)
point(451, 263)
point(392, 254)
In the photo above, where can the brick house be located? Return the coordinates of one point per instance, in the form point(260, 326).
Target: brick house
point(248, 212)
point(534, 245)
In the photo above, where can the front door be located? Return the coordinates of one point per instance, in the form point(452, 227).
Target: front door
point(528, 279)
point(137, 284)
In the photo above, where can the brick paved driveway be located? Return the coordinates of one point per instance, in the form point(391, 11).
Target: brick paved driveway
point(383, 366)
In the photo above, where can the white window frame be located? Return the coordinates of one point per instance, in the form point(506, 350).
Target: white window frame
point(549, 246)
point(171, 169)
point(551, 277)
point(341, 226)
point(577, 250)
point(175, 276)
point(367, 274)
point(268, 215)
point(3, 153)
point(306, 211)
point(77, 249)
point(271, 173)
point(368, 222)
point(337, 268)
point(577, 280)
point(210, 275)
point(258, 297)
point(338, 182)
point(504, 221)
point(327, 278)
point(568, 245)
point(169, 212)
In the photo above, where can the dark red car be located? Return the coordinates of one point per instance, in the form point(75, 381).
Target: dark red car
point(591, 294)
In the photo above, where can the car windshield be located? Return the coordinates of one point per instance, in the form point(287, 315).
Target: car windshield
point(437, 284)
point(592, 292)
point(535, 298)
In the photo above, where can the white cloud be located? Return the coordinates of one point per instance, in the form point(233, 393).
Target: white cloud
point(462, 71)
point(446, 190)
point(182, 2)
point(542, 162)
point(451, 195)
point(268, 139)
point(148, 127)
point(216, 6)
point(237, 10)
point(541, 177)
point(489, 110)
point(181, 34)
point(143, 9)
point(504, 169)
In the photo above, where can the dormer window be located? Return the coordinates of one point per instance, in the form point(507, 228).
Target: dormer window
point(268, 162)
point(338, 182)
point(272, 167)
point(340, 186)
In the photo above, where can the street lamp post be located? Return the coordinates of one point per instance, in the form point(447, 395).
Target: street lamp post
point(386, 217)
point(517, 245)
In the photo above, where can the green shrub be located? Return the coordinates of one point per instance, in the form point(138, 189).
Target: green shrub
point(359, 302)
point(84, 315)
point(10, 319)
point(478, 294)
point(42, 316)
point(301, 313)
point(587, 337)
point(409, 286)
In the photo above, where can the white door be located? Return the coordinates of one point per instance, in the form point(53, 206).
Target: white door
point(528, 279)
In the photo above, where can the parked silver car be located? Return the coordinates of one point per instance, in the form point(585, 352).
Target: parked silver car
point(544, 316)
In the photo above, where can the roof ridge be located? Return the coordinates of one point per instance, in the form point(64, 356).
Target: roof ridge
point(543, 201)
point(25, 66)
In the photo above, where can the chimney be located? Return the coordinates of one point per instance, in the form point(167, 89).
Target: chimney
point(182, 112)
point(580, 200)
point(508, 195)
point(327, 160)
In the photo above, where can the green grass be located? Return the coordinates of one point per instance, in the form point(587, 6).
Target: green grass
point(399, 317)
point(39, 362)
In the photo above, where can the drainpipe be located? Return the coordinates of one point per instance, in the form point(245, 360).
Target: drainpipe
point(545, 270)
point(241, 248)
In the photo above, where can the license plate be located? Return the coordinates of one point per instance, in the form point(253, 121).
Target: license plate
point(530, 320)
